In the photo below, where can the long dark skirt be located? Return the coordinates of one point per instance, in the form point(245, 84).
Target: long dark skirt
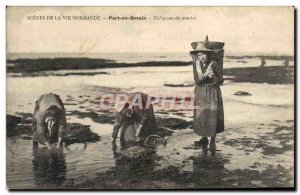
point(208, 111)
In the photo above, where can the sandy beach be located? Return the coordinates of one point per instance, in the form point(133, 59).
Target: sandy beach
point(255, 151)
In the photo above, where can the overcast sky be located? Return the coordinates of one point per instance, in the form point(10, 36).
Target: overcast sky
point(252, 30)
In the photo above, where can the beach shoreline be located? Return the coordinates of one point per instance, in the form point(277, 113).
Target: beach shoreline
point(255, 151)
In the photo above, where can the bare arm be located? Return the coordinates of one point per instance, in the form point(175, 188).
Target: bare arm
point(117, 125)
point(115, 131)
point(119, 121)
point(143, 121)
point(198, 76)
point(62, 127)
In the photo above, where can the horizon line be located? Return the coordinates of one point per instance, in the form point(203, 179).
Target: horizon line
point(225, 54)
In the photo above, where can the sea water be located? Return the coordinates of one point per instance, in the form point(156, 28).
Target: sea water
point(268, 102)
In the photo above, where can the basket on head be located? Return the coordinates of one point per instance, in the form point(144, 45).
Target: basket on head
point(207, 46)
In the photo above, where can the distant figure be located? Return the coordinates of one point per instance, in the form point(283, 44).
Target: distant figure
point(136, 124)
point(49, 121)
point(285, 63)
point(263, 62)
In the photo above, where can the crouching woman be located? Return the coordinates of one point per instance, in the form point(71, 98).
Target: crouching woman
point(49, 121)
point(135, 124)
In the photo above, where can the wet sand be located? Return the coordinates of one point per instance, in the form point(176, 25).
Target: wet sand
point(255, 151)
point(248, 156)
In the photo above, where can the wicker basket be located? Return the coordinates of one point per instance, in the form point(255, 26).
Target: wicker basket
point(209, 44)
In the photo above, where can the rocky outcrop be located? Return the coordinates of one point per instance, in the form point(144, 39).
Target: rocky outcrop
point(76, 133)
point(173, 123)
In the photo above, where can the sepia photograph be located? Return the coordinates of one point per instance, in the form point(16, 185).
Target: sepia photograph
point(150, 98)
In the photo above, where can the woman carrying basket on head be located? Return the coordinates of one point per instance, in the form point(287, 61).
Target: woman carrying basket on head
point(208, 111)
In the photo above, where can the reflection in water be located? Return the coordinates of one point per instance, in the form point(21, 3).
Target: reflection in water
point(49, 167)
point(134, 168)
point(209, 160)
point(208, 168)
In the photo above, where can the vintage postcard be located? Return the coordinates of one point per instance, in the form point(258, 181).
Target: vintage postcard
point(123, 98)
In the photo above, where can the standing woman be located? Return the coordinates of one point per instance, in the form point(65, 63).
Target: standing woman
point(208, 111)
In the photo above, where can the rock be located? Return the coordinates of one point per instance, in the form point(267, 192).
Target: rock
point(98, 118)
point(75, 133)
point(163, 132)
point(242, 93)
point(134, 152)
point(15, 125)
point(25, 137)
point(178, 85)
point(19, 130)
point(173, 123)
point(78, 133)
point(271, 75)
point(12, 121)
point(26, 117)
